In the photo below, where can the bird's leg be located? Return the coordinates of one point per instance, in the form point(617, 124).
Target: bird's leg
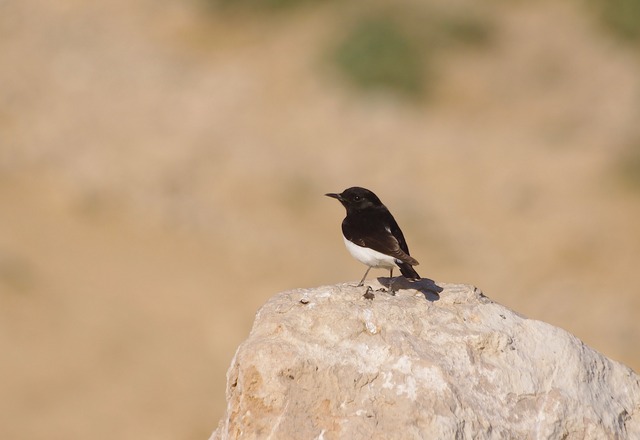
point(361, 283)
point(391, 280)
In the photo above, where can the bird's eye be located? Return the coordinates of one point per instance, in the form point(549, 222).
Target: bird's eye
point(356, 198)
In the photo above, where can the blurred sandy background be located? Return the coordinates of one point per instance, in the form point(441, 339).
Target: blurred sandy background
point(163, 165)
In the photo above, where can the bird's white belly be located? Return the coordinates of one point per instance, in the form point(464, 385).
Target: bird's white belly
point(368, 256)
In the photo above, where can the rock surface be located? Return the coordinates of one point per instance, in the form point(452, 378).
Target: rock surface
point(327, 363)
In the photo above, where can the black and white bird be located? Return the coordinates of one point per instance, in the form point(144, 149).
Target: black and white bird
point(372, 235)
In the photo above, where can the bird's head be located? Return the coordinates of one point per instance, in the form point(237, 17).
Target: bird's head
point(356, 198)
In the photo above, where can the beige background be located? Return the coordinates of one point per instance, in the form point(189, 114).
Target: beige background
point(162, 171)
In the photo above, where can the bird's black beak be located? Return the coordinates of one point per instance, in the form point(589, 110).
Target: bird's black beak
point(334, 195)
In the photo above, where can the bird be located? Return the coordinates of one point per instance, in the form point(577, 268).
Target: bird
point(372, 236)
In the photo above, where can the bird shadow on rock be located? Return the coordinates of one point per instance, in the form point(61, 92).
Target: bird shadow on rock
point(427, 287)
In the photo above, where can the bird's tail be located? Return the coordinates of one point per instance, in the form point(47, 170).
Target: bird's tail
point(408, 271)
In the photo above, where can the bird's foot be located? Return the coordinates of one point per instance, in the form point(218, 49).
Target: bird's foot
point(369, 293)
point(390, 289)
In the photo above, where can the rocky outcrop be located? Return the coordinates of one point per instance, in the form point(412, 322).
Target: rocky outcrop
point(435, 362)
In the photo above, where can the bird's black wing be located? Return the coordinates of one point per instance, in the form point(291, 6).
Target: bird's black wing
point(397, 234)
point(379, 231)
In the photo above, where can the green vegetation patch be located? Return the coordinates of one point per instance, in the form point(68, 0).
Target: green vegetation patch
point(378, 54)
point(265, 5)
point(621, 16)
point(398, 50)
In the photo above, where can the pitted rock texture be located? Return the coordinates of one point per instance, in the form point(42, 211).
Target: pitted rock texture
point(432, 361)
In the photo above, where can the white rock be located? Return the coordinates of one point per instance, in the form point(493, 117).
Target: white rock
point(419, 366)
